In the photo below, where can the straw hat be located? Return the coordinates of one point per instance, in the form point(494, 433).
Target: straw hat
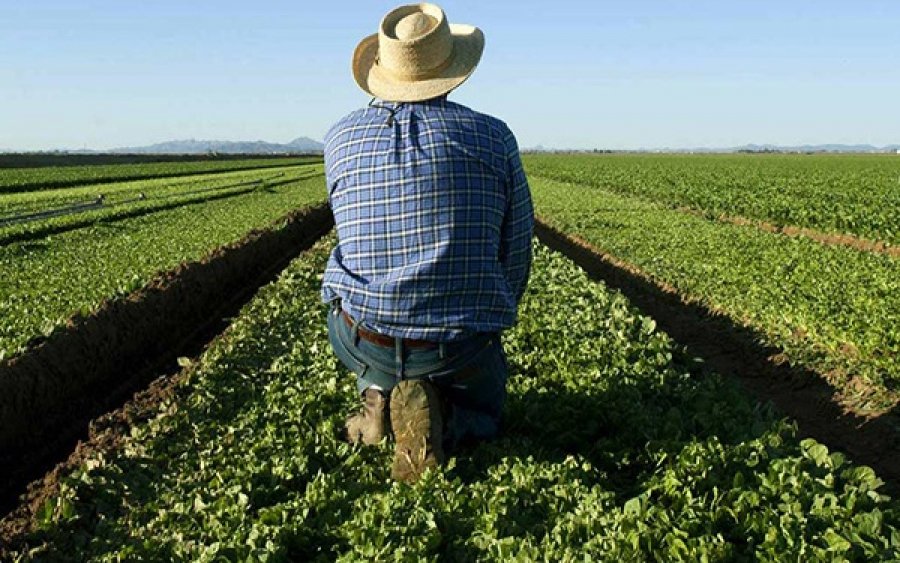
point(416, 55)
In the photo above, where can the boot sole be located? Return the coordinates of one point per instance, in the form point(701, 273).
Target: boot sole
point(418, 429)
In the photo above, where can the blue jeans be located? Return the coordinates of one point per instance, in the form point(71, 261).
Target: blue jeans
point(470, 374)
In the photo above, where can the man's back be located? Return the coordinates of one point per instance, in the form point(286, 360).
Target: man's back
point(434, 220)
point(434, 223)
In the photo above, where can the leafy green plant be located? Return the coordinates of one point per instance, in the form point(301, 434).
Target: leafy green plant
point(133, 198)
point(839, 194)
point(14, 180)
point(615, 447)
point(833, 309)
point(45, 280)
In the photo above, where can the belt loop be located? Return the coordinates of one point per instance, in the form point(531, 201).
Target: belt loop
point(442, 350)
point(398, 351)
point(354, 333)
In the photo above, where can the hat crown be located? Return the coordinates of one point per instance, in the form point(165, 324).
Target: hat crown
point(415, 42)
point(413, 26)
point(416, 55)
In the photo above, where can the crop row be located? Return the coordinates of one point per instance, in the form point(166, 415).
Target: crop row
point(21, 202)
point(126, 199)
point(44, 281)
point(614, 447)
point(832, 308)
point(856, 195)
point(54, 177)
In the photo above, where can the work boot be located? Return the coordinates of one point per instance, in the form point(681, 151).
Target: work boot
point(370, 425)
point(418, 424)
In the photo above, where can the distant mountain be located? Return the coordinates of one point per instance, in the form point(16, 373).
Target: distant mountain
point(192, 146)
point(307, 145)
point(818, 148)
point(831, 148)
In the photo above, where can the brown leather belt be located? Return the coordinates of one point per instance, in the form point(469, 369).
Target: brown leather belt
point(385, 340)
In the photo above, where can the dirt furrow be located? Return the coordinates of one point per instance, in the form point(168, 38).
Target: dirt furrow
point(49, 395)
point(733, 350)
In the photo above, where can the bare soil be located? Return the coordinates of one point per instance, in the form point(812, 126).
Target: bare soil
point(104, 435)
point(54, 398)
point(733, 350)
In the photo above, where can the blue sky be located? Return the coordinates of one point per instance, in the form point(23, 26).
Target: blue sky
point(577, 74)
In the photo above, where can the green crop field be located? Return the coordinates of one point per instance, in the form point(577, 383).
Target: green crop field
point(832, 308)
point(617, 442)
point(44, 178)
point(29, 215)
point(50, 275)
point(614, 448)
point(845, 194)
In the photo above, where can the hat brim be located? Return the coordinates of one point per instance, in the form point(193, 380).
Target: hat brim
point(468, 45)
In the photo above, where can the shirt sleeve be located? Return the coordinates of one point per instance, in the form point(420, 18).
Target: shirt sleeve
point(518, 223)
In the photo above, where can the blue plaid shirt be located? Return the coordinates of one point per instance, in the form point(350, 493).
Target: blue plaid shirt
point(434, 220)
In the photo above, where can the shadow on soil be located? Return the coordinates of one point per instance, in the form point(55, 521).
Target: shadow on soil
point(732, 350)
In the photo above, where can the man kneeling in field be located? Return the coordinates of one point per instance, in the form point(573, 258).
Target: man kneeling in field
point(434, 222)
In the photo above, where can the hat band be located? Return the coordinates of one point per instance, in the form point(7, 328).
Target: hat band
point(404, 76)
